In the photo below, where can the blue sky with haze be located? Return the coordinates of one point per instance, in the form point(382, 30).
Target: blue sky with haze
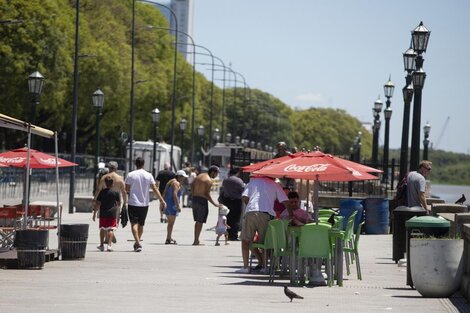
point(339, 53)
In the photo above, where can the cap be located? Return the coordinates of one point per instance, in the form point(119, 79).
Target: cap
point(112, 164)
point(181, 173)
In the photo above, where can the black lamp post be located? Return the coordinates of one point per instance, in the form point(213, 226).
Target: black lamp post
point(228, 138)
point(427, 130)
point(389, 87)
point(155, 120)
point(409, 64)
point(375, 129)
point(183, 124)
point(35, 84)
point(98, 100)
point(200, 132)
point(420, 37)
point(73, 143)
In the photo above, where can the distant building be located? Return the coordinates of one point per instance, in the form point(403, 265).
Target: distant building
point(184, 11)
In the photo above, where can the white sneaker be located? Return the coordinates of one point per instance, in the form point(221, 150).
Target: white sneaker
point(109, 249)
point(243, 270)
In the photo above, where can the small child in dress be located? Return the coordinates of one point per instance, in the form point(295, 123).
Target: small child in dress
point(221, 227)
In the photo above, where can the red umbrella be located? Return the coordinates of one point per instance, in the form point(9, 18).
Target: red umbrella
point(257, 166)
point(18, 158)
point(318, 166)
point(3, 165)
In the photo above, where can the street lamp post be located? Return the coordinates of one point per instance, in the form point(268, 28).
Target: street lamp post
point(420, 37)
point(375, 128)
point(427, 130)
point(155, 120)
point(389, 87)
point(409, 64)
point(228, 138)
point(73, 144)
point(200, 132)
point(35, 84)
point(216, 136)
point(173, 106)
point(183, 124)
point(98, 100)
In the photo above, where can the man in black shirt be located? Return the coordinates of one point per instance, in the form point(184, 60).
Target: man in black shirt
point(163, 177)
point(233, 188)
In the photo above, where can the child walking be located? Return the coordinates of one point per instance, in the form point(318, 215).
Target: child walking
point(108, 203)
point(221, 227)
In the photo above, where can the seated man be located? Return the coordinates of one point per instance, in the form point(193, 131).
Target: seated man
point(293, 211)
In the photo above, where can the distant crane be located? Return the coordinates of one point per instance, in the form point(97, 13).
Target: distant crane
point(438, 141)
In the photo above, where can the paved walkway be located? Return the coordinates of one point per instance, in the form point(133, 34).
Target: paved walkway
point(185, 278)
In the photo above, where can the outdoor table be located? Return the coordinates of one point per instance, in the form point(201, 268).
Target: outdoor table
point(335, 234)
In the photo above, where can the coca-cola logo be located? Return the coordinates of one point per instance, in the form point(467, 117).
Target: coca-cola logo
point(306, 168)
point(50, 161)
point(16, 160)
point(354, 172)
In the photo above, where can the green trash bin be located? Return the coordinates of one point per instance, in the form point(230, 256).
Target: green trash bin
point(423, 226)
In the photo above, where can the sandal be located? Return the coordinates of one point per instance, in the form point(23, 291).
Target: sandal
point(170, 242)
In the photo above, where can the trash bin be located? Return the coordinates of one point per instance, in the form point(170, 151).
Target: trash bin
point(31, 245)
point(377, 215)
point(73, 240)
point(349, 206)
point(400, 215)
point(423, 226)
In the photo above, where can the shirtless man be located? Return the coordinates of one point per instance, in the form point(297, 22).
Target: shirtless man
point(201, 195)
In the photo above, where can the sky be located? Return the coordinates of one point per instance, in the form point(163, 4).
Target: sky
point(339, 54)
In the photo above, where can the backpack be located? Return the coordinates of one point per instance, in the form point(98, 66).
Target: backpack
point(400, 197)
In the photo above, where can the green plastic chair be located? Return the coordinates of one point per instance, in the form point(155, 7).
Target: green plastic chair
point(326, 212)
point(349, 238)
point(266, 245)
point(315, 243)
point(280, 245)
point(354, 249)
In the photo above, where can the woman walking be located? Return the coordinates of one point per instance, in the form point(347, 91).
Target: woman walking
point(172, 195)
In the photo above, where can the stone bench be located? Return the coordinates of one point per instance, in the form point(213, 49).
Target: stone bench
point(457, 220)
point(448, 208)
point(83, 203)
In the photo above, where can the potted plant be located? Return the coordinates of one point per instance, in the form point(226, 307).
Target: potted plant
point(437, 261)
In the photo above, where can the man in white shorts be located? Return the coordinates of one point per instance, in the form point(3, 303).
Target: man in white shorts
point(259, 197)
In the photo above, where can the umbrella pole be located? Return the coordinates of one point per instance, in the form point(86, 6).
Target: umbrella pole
point(59, 211)
point(26, 197)
point(316, 277)
point(316, 187)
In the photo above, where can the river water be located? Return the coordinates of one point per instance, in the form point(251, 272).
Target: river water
point(450, 193)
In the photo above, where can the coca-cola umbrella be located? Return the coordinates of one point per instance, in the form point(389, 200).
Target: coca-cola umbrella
point(318, 166)
point(37, 159)
point(257, 166)
point(19, 158)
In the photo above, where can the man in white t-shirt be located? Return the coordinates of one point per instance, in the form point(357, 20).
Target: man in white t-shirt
point(259, 197)
point(138, 183)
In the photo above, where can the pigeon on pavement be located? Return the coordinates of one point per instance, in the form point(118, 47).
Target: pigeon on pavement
point(290, 294)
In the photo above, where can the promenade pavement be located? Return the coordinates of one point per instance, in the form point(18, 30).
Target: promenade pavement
point(186, 278)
